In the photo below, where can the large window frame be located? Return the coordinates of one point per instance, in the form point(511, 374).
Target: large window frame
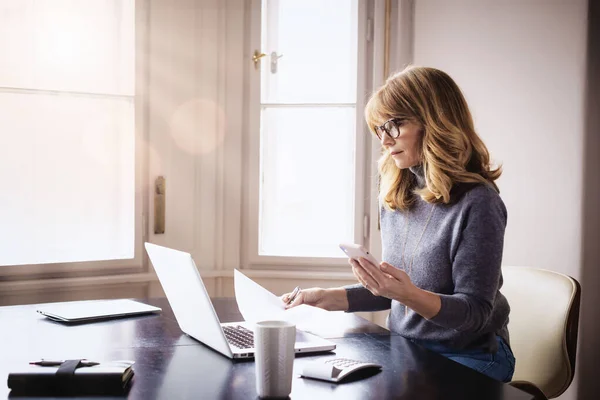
point(138, 263)
point(250, 213)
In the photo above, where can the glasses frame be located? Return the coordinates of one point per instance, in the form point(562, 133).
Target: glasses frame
point(386, 128)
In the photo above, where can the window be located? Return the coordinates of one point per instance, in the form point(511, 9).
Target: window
point(307, 141)
point(68, 161)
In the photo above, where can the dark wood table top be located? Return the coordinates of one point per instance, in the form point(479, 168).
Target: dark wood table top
point(171, 365)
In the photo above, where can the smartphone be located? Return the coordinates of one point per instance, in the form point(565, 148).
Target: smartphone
point(356, 251)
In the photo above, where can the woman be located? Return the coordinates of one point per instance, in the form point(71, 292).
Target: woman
point(442, 228)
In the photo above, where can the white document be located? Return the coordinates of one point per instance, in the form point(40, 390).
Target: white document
point(254, 301)
point(258, 304)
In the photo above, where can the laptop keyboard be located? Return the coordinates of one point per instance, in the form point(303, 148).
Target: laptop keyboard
point(239, 336)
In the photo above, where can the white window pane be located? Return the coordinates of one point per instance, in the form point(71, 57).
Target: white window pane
point(318, 40)
point(68, 45)
point(307, 193)
point(68, 175)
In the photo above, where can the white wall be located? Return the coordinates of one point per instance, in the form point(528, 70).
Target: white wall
point(521, 65)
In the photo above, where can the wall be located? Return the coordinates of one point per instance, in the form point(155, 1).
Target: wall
point(589, 342)
point(522, 66)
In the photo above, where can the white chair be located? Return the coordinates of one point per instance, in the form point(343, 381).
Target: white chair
point(543, 326)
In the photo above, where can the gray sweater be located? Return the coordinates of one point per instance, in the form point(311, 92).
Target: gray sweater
point(459, 258)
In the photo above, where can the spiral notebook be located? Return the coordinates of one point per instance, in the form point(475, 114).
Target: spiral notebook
point(92, 310)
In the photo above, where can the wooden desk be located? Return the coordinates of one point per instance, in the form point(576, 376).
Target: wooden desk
point(171, 365)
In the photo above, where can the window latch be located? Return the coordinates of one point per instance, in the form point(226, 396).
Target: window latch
point(274, 60)
point(256, 57)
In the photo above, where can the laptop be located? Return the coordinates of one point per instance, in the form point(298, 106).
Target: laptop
point(196, 315)
point(93, 310)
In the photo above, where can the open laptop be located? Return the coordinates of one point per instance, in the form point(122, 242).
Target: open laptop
point(196, 315)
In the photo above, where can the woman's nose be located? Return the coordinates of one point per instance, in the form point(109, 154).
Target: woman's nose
point(386, 140)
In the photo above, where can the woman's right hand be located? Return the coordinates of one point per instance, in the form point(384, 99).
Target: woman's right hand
point(328, 299)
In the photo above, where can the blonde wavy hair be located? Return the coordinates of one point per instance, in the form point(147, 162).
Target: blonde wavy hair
point(451, 150)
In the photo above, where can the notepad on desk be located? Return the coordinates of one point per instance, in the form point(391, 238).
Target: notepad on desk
point(91, 310)
point(104, 378)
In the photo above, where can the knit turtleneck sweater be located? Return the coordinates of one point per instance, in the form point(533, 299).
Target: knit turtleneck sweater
point(458, 257)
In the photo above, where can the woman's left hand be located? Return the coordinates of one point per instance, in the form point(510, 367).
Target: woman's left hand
point(383, 280)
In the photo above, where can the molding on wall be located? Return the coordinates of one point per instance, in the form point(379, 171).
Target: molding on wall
point(72, 283)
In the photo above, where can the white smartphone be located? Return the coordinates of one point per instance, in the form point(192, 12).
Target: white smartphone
point(356, 251)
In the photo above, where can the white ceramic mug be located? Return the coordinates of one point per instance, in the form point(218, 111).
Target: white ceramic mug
point(274, 343)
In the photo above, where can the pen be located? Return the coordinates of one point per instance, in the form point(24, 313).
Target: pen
point(55, 363)
point(294, 294)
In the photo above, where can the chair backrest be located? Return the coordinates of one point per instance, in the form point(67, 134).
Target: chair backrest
point(543, 326)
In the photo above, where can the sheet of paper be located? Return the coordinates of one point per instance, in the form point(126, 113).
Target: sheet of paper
point(254, 301)
point(258, 304)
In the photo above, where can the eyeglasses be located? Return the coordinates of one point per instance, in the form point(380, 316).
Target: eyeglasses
point(391, 127)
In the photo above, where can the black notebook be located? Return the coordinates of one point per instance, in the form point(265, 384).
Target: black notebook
point(104, 378)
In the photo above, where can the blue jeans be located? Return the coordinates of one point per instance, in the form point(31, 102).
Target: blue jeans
point(499, 365)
